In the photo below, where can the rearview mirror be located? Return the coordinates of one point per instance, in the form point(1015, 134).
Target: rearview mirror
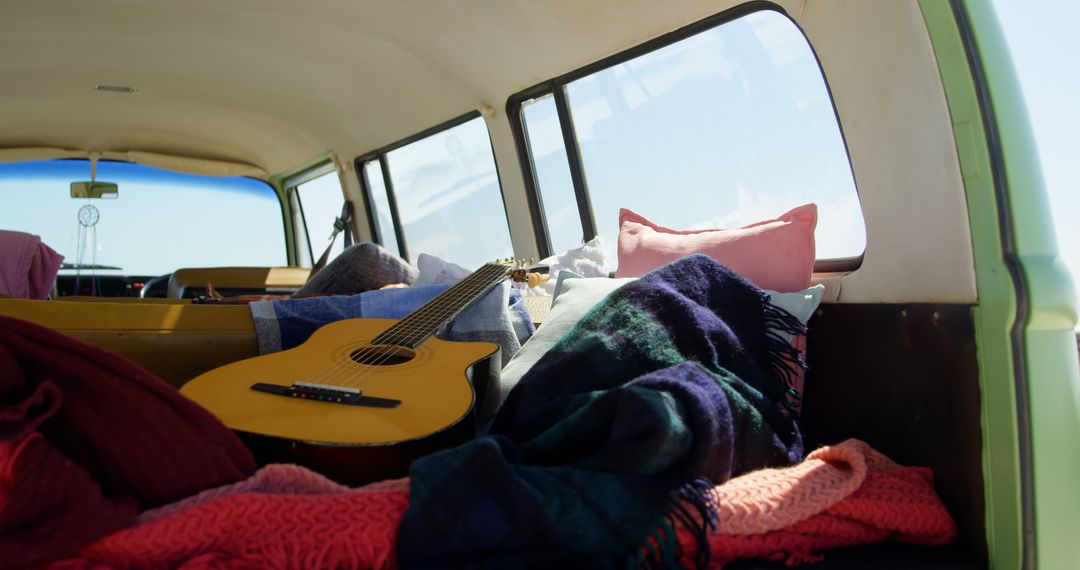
point(94, 190)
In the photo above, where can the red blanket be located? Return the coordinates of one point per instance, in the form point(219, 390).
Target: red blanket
point(288, 517)
point(88, 439)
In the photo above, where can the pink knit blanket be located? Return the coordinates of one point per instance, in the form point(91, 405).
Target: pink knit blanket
point(284, 516)
point(844, 495)
point(288, 517)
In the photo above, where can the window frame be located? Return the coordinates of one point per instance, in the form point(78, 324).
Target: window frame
point(379, 155)
point(556, 87)
point(292, 196)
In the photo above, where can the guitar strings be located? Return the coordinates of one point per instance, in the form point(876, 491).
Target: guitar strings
point(340, 373)
point(402, 333)
point(367, 354)
point(421, 330)
point(410, 331)
point(416, 330)
point(379, 351)
point(446, 305)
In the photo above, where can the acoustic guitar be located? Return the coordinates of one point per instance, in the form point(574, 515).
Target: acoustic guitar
point(362, 398)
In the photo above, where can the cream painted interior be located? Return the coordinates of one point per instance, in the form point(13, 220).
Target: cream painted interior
point(200, 166)
point(274, 83)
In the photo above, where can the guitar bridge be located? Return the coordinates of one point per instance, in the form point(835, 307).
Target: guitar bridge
point(325, 393)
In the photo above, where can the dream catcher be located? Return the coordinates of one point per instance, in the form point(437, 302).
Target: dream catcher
point(86, 239)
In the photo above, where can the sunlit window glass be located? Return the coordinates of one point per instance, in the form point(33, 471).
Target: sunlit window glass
point(556, 189)
point(383, 218)
point(322, 200)
point(725, 128)
point(448, 196)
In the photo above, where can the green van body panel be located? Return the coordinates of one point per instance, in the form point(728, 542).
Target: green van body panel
point(1049, 316)
point(278, 182)
point(996, 311)
point(1049, 337)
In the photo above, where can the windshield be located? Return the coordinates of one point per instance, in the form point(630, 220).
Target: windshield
point(160, 220)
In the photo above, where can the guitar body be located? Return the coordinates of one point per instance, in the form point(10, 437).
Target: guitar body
point(353, 443)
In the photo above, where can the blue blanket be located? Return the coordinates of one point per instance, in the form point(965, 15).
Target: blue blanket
point(674, 383)
point(499, 316)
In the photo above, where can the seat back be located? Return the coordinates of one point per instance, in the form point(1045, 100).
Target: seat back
point(192, 281)
point(176, 341)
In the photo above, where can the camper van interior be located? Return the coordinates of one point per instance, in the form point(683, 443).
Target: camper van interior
point(504, 284)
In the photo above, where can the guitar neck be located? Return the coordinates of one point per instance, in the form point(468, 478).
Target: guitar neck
point(421, 324)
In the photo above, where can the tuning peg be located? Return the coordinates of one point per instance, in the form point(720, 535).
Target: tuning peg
point(535, 279)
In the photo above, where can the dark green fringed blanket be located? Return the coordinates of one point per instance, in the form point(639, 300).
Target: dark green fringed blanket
point(673, 383)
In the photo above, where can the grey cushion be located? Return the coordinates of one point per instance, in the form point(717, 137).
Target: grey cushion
point(361, 267)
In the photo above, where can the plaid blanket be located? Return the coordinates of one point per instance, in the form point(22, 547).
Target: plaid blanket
point(672, 384)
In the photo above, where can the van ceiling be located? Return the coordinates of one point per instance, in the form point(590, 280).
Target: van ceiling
point(276, 82)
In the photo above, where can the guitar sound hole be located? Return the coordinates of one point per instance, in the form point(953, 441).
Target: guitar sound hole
point(382, 355)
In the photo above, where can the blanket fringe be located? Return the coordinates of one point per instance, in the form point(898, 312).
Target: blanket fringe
point(694, 508)
point(784, 359)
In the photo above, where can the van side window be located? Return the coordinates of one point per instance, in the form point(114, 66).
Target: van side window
point(721, 129)
point(446, 193)
point(552, 173)
point(320, 200)
point(379, 205)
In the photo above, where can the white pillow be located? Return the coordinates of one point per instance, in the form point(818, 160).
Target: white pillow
point(588, 260)
point(801, 304)
point(576, 297)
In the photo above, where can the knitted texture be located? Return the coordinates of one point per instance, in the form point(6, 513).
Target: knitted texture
point(288, 517)
point(50, 506)
point(111, 435)
point(843, 495)
point(283, 517)
point(281, 479)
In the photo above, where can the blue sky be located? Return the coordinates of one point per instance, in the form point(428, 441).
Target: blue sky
point(160, 221)
point(1045, 50)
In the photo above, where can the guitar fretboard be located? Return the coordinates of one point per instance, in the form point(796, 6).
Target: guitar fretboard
point(421, 324)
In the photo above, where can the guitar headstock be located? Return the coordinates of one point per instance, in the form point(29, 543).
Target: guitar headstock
point(519, 269)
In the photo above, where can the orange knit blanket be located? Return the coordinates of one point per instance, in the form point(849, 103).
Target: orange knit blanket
point(844, 495)
point(288, 517)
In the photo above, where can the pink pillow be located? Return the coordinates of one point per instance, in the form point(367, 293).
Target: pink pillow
point(28, 267)
point(774, 254)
